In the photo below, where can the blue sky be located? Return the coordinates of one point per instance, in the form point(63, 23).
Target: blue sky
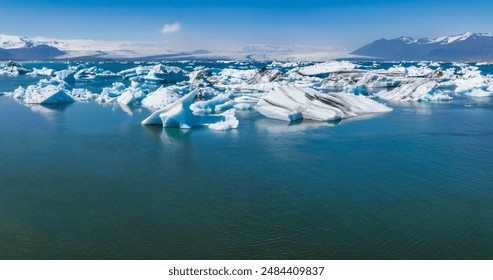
point(209, 24)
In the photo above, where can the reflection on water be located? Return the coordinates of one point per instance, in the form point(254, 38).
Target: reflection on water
point(277, 126)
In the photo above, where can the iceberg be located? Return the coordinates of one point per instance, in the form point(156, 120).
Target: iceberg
point(65, 75)
point(326, 67)
point(161, 97)
point(42, 72)
point(415, 90)
point(265, 76)
point(219, 103)
point(290, 104)
point(110, 94)
point(179, 114)
point(472, 83)
point(133, 95)
point(13, 68)
point(43, 93)
point(155, 74)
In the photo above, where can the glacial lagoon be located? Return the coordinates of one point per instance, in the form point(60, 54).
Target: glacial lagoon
point(86, 180)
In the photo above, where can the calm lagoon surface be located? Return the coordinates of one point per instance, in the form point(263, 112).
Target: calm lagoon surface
point(86, 181)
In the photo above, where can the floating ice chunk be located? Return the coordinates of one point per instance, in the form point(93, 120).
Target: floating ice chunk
point(13, 68)
point(155, 74)
point(86, 73)
point(42, 72)
point(472, 83)
point(110, 94)
point(245, 102)
point(169, 74)
point(289, 104)
point(478, 92)
point(197, 77)
point(160, 98)
point(411, 71)
point(132, 95)
point(219, 103)
point(361, 81)
point(265, 76)
point(326, 67)
point(43, 94)
point(230, 121)
point(230, 76)
point(82, 94)
point(179, 114)
point(415, 90)
point(65, 75)
point(208, 92)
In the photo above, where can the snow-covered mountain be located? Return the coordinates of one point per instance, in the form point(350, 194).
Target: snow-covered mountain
point(17, 47)
point(465, 46)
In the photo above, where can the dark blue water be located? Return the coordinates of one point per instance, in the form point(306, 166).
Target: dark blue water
point(85, 181)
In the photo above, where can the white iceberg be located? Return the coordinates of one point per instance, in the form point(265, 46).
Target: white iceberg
point(13, 68)
point(133, 95)
point(161, 97)
point(65, 75)
point(326, 67)
point(43, 93)
point(110, 94)
point(179, 114)
point(290, 104)
point(42, 72)
point(155, 74)
point(219, 103)
point(472, 83)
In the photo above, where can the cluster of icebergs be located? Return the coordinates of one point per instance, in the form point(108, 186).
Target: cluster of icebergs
point(200, 95)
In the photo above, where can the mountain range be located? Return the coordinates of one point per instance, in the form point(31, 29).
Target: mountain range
point(23, 48)
point(467, 46)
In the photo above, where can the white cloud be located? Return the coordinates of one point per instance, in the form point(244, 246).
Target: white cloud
point(171, 27)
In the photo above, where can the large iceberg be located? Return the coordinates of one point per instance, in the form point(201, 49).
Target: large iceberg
point(290, 104)
point(179, 114)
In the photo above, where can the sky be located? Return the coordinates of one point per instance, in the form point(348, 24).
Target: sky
point(186, 24)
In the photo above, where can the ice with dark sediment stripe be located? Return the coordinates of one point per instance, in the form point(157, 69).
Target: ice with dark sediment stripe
point(291, 103)
point(415, 90)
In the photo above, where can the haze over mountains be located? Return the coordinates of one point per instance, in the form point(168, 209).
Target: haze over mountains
point(467, 46)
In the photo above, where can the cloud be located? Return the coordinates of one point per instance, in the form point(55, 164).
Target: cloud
point(171, 27)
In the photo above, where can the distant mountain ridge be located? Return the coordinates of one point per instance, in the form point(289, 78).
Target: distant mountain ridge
point(16, 47)
point(24, 48)
point(466, 46)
